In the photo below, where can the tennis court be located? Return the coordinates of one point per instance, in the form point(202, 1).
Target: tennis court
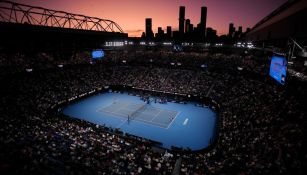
point(171, 124)
point(141, 112)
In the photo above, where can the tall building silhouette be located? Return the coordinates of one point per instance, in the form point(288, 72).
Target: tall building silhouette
point(169, 32)
point(231, 30)
point(238, 33)
point(211, 35)
point(160, 32)
point(187, 26)
point(240, 29)
point(181, 19)
point(203, 19)
point(191, 28)
point(149, 33)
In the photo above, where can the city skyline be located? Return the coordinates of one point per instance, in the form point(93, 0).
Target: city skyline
point(130, 15)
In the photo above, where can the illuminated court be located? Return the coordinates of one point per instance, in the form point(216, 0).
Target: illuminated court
point(141, 112)
point(171, 124)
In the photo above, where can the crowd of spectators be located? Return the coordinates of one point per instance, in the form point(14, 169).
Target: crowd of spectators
point(262, 125)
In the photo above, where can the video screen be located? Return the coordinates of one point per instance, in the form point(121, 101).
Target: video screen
point(278, 69)
point(97, 54)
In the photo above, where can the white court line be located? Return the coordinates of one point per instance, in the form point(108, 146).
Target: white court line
point(121, 124)
point(173, 119)
point(116, 115)
point(121, 107)
point(149, 123)
point(125, 103)
point(170, 110)
point(156, 115)
point(114, 112)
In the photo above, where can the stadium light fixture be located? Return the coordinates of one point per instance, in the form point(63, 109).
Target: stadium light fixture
point(301, 53)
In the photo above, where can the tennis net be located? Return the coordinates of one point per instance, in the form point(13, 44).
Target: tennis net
point(132, 115)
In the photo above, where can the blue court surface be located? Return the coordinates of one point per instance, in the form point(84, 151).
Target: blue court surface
point(172, 124)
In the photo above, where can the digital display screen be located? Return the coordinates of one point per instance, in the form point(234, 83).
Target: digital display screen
point(278, 69)
point(97, 54)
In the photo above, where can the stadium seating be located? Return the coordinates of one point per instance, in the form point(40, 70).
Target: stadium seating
point(262, 127)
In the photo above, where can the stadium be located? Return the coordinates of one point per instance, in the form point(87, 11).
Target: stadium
point(78, 96)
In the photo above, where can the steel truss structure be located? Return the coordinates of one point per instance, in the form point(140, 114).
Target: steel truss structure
point(25, 14)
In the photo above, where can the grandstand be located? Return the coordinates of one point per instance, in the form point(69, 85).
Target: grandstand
point(259, 126)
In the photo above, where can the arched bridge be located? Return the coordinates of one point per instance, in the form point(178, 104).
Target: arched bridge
point(12, 12)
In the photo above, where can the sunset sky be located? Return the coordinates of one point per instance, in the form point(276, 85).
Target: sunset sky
point(131, 14)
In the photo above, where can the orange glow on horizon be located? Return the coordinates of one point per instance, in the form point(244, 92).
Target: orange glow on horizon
point(130, 15)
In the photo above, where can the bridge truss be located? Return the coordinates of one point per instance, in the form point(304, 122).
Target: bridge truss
point(25, 14)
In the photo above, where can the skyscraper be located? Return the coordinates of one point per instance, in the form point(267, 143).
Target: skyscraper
point(238, 33)
point(211, 35)
point(191, 28)
point(160, 34)
point(231, 30)
point(187, 26)
point(149, 33)
point(201, 27)
point(203, 18)
point(169, 32)
point(240, 29)
point(181, 19)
